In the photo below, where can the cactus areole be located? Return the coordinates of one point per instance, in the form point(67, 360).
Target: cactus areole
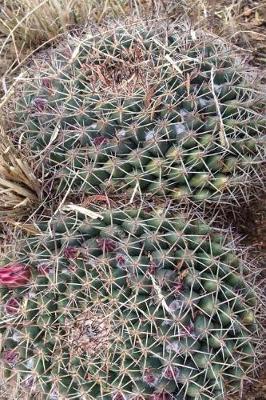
point(133, 305)
point(144, 110)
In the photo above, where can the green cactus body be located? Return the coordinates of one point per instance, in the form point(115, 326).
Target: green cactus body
point(131, 305)
point(144, 110)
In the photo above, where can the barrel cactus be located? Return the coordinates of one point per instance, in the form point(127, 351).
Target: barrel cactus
point(141, 110)
point(136, 304)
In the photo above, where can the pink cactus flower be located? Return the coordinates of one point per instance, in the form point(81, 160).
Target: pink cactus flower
point(14, 275)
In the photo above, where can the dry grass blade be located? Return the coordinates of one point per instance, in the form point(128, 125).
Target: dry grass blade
point(19, 188)
point(82, 210)
point(30, 229)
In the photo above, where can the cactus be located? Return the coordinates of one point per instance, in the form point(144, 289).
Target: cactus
point(143, 110)
point(138, 304)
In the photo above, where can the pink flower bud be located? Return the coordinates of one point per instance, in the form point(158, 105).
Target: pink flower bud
point(14, 275)
point(152, 268)
point(161, 396)
point(99, 140)
point(12, 306)
point(170, 372)
point(28, 382)
point(106, 245)
point(121, 260)
point(71, 252)
point(46, 82)
point(39, 104)
point(11, 357)
point(118, 396)
point(149, 377)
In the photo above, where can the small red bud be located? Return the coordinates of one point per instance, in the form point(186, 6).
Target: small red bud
point(149, 377)
point(121, 260)
point(152, 268)
point(11, 357)
point(118, 396)
point(46, 82)
point(39, 104)
point(106, 245)
point(99, 140)
point(12, 306)
point(170, 372)
point(71, 252)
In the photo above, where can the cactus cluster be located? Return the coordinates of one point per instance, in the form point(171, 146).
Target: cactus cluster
point(139, 305)
point(133, 301)
point(143, 110)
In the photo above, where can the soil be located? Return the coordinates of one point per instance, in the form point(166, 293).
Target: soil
point(243, 22)
point(253, 227)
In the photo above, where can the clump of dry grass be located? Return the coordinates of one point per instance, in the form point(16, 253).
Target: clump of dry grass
point(19, 188)
point(32, 22)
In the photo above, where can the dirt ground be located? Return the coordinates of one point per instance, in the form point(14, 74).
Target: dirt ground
point(253, 226)
point(243, 22)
